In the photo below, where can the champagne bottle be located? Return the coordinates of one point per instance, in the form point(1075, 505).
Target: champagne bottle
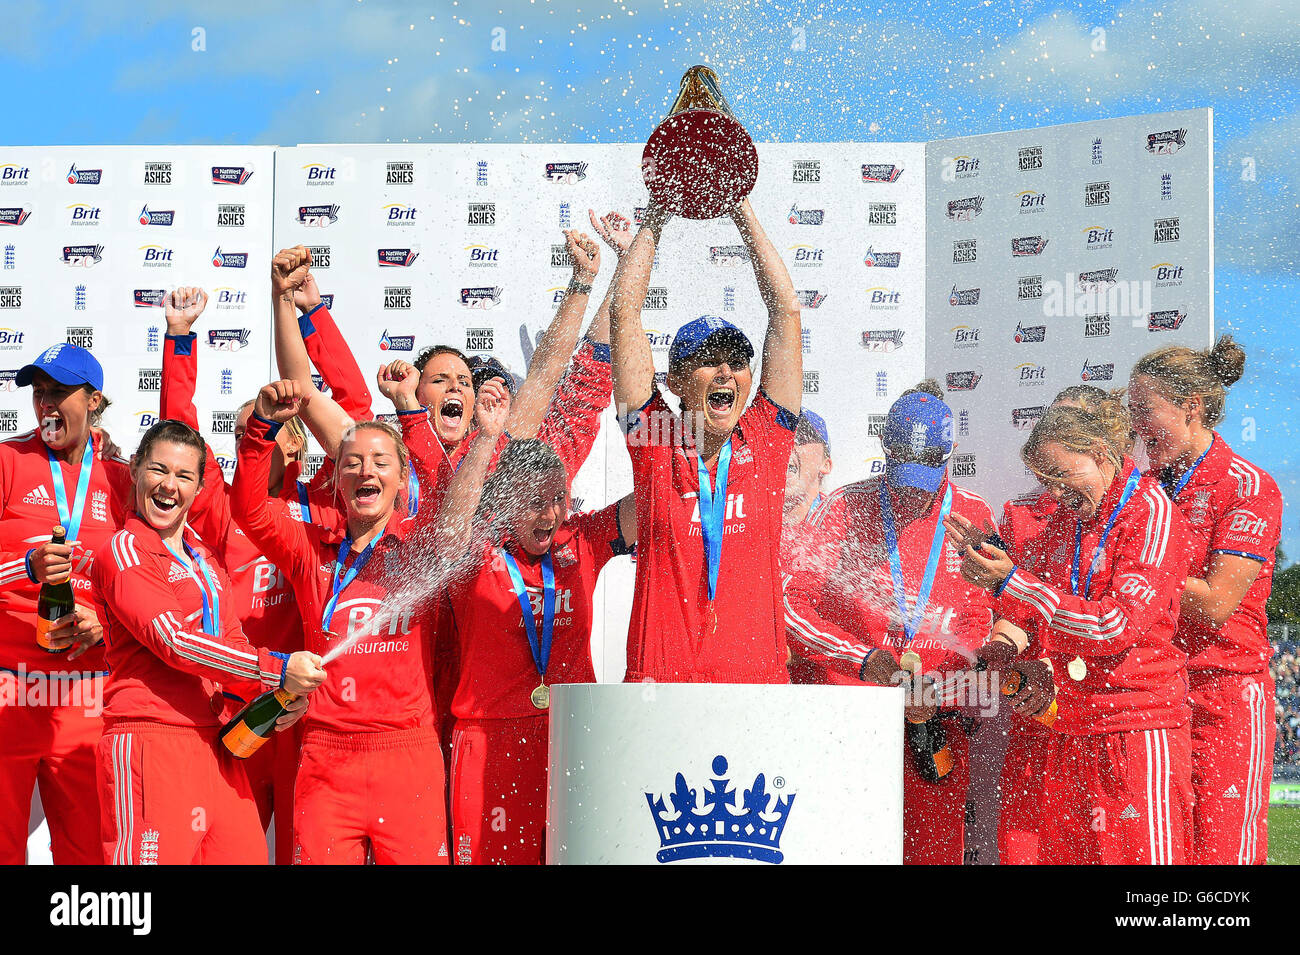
point(54, 601)
point(1011, 686)
point(928, 744)
point(253, 725)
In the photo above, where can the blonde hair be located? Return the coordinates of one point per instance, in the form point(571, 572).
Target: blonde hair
point(294, 426)
point(1108, 407)
point(383, 427)
point(1075, 430)
point(1181, 373)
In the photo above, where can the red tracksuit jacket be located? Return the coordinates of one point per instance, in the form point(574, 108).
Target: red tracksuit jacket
point(1123, 629)
point(1232, 507)
point(164, 668)
point(383, 681)
point(28, 515)
point(1023, 519)
point(839, 598)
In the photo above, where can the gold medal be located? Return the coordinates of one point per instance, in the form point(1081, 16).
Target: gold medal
point(1077, 669)
point(541, 697)
point(911, 662)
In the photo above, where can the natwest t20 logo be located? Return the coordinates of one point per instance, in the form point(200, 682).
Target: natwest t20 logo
point(715, 826)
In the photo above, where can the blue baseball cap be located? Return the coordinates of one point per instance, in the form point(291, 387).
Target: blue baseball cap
point(66, 364)
point(812, 430)
point(692, 336)
point(917, 440)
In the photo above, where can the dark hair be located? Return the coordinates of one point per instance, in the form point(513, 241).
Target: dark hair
point(522, 465)
point(177, 432)
point(1181, 373)
point(926, 386)
point(97, 415)
point(433, 351)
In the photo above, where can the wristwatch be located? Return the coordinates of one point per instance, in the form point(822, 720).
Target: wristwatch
point(580, 287)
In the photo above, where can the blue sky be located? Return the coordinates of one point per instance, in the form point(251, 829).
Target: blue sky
point(348, 71)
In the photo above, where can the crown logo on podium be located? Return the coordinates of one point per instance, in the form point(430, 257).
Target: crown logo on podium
point(719, 827)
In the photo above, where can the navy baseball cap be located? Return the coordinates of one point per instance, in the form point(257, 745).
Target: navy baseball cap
point(66, 364)
point(917, 440)
point(692, 336)
point(483, 367)
point(812, 430)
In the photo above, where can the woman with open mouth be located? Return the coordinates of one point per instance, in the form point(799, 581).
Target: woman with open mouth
point(522, 610)
point(1097, 594)
point(58, 474)
point(176, 648)
point(1234, 508)
point(370, 778)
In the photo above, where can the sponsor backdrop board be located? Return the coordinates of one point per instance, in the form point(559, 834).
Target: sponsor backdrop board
point(93, 236)
point(1056, 257)
point(462, 245)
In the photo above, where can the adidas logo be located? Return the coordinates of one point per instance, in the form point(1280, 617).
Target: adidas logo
point(1129, 812)
point(39, 495)
point(1231, 792)
point(177, 572)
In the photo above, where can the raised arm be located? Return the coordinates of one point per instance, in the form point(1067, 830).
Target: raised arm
point(782, 377)
point(552, 355)
point(633, 362)
point(324, 417)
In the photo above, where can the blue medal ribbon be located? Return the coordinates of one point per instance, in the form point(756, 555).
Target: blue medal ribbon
point(912, 622)
point(210, 595)
point(71, 520)
point(340, 584)
point(1187, 476)
point(1101, 544)
point(713, 512)
point(541, 649)
point(304, 503)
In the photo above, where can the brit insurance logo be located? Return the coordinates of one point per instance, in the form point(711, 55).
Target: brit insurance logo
point(485, 257)
point(1029, 201)
point(965, 336)
point(961, 167)
point(805, 256)
point(156, 257)
point(1167, 275)
point(883, 298)
point(1029, 374)
point(482, 296)
point(230, 299)
point(400, 215)
point(231, 215)
point(481, 213)
point(400, 173)
point(881, 260)
point(83, 214)
point(10, 338)
point(84, 177)
point(319, 216)
point(966, 209)
point(228, 339)
point(882, 340)
point(14, 215)
point(397, 258)
point(318, 174)
point(806, 170)
point(714, 826)
point(149, 216)
point(1166, 143)
point(12, 174)
point(229, 260)
point(82, 256)
point(389, 342)
point(157, 174)
point(799, 216)
point(566, 172)
point(880, 172)
point(1096, 238)
point(231, 175)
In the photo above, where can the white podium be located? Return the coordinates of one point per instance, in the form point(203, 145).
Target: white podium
point(723, 773)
